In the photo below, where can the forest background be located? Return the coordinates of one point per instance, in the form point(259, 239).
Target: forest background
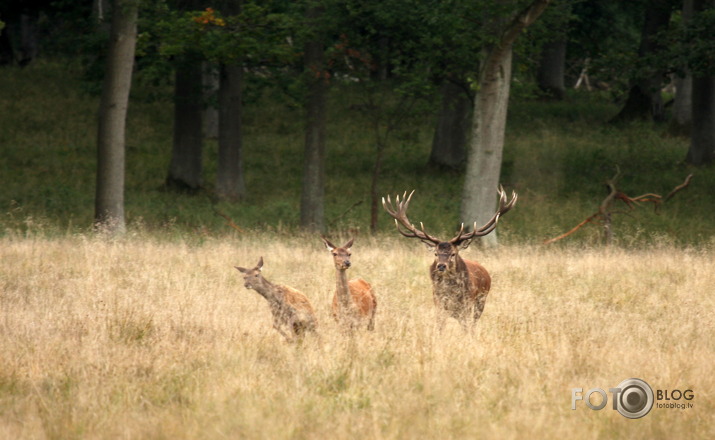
point(391, 119)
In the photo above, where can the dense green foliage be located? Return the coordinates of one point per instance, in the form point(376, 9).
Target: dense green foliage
point(557, 157)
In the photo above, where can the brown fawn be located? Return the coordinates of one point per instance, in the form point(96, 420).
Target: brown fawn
point(459, 287)
point(354, 302)
point(293, 315)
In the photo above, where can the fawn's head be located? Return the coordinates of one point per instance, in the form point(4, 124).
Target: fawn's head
point(341, 255)
point(252, 278)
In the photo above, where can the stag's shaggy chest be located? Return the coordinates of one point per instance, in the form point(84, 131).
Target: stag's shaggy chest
point(451, 292)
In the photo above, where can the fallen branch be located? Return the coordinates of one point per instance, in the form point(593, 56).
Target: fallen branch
point(576, 228)
point(229, 221)
point(679, 187)
point(605, 208)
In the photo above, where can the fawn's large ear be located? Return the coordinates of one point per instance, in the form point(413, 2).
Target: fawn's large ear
point(349, 244)
point(328, 244)
point(260, 264)
point(241, 269)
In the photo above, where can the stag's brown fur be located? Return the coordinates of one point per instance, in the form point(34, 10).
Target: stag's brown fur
point(292, 312)
point(459, 290)
point(354, 302)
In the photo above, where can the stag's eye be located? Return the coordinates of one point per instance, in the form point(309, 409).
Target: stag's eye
point(350, 255)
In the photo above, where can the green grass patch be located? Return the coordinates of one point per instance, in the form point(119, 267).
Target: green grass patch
point(557, 157)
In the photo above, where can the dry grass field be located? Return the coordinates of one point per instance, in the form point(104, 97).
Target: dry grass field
point(157, 339)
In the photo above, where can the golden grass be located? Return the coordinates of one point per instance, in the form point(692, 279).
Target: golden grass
point(139, 338)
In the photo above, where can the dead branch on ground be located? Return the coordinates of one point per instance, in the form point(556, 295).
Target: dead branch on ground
point(229, 220)
point(605, 209)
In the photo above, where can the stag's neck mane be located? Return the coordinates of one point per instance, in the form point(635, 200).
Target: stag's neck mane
point(460, 266)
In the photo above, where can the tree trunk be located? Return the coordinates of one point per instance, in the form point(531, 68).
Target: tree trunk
point(100, 10)
point(485, 155)
point(702, 137)
point(644, 100)
point(550, 75)
point(683, 103)
point(312, 194)
point(28, 39)
point(380, 146)
point(109, 198)
point(230, 184)
point(450, 136)
point(211, 82)
point(7, 56)
point(484, 159)
point(186, 156)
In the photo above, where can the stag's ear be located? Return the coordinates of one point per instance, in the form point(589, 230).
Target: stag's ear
point(260, 264)
point(241, 269)
point(328, 244)
point(349, 244)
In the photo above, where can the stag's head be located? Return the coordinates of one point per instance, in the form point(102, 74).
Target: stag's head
point(341, 255)
point(446, 252)
point(252, 278)
point(445, 256)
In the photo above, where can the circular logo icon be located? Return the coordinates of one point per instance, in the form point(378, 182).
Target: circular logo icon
point(636, 398)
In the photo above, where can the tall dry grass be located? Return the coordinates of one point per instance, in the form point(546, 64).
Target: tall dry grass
point(139, 338)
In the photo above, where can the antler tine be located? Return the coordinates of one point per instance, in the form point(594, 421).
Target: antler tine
point(387, 205)
point(489, 226)
point(461, 229)
point(399, 213)
point(406, 234)
point(432, 239)
point(405, 202)
point(504, 207)
point(502, 196)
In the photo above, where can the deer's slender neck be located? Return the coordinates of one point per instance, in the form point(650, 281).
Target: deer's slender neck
point(342, 288)
point(270, 291)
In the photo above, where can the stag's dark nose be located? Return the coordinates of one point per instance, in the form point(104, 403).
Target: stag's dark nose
point(441, 267)
point(346, 263)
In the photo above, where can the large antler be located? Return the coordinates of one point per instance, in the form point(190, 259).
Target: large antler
point(400, 216)
point(464, 239)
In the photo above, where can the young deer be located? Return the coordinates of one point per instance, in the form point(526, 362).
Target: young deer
point(354, 301)
point(459, 287)
point(292, 313)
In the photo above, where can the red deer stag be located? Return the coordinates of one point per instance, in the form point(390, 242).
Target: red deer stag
point(354, 301)
point(293, 315)
point(459, 287)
